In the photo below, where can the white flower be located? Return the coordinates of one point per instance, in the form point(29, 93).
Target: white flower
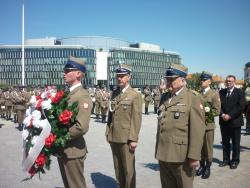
point(207, 109)
point(46, 104)
point(43, 95)
point(36, 123)
point(25, 134)
point(34, 140)
point(27, 120)
point(28, 111)
point(43, 123)
point(33, 100)
point(36, 114)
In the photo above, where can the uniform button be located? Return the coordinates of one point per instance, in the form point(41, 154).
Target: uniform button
point(164, 116)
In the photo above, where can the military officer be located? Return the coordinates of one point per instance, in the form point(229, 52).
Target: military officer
point(8, 103)
point(21, 100)
point(124, 123)
point(180, 131)
point(156, 98)
point(104, 104)
point(71, 162)
point(2, 104)
point(147, 98)
point(98, 102)
point(211, 100)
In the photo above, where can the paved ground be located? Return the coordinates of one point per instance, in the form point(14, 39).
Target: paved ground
point(99, 170)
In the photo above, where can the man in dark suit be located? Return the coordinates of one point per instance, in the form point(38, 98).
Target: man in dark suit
point(71, 163)
point(231, 120)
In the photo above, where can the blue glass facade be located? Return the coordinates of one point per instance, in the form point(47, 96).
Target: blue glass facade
point(43, 65)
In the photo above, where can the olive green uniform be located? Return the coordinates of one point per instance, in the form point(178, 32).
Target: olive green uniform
point(147, 98)
point(124, 123)
point(74, 153)
point(211, 97)
point(179, 137)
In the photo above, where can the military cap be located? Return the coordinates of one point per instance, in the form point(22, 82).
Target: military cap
point(205, 75)
point(176, 70)
point(123, 69)
point(74, 63)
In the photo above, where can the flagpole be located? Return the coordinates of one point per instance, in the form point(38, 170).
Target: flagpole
point(23, 73)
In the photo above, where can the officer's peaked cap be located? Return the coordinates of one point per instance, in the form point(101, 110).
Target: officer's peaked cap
point(74, 63)
point(123, 69)
point(206, 75)
point(176, 70)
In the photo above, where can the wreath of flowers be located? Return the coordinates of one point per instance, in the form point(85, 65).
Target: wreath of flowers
point(50, 106)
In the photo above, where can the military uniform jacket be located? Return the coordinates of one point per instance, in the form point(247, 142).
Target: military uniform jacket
point(181, 127)
point(76, 146)
point(147, 94)
point(213, 98)
point(157, 94)
point(124, 122)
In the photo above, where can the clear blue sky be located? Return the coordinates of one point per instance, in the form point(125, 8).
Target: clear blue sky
point(211, 35)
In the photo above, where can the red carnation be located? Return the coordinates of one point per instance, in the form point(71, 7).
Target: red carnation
point(32, 171)
point(65, 117)
point(40, 160)
point(58, 97)
point(39, 104)
point(38, 97)
point(50, 140)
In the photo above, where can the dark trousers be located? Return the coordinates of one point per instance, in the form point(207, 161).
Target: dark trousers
point(234, 134)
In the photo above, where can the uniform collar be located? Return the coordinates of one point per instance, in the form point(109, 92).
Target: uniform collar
point(74, 86)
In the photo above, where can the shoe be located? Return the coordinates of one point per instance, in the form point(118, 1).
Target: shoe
point(224, 163)
point(206, 173)
point(234, 165)
point(200, 171)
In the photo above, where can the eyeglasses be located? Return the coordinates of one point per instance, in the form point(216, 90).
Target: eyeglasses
point(229, 80)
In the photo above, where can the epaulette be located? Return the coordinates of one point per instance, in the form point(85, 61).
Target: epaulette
point(194, 92)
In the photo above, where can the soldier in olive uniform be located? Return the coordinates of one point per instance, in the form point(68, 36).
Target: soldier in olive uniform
point(181, 127)
point(124, 123)
point(211, 100)
point(21, 100)
point(98, 102)
point(147, 98)
point(8, 103)
point(156, 98)
point(2, 104)
point(71, 162)
point(104, 104)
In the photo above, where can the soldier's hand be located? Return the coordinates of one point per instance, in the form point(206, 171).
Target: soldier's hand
point(194, 164)
point(132, 146)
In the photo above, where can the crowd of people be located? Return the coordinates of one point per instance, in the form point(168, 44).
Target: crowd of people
point(185, 133)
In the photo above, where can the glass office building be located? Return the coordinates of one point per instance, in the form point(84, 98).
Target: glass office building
point(45, 58)
point(148, 67)
point(43, 64)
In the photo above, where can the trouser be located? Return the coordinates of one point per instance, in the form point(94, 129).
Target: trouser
point(233, 133)
point(97, 108)
point(247, 122)
point(207, 148)
point(124, 164)
point(72, 172)
point(20, 116)
point(104, 113)
point(176, 175)
point(8, 112)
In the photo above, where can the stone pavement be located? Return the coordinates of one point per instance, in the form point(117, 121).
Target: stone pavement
point(99, 170)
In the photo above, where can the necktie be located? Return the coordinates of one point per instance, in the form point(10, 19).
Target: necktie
point(228, 93)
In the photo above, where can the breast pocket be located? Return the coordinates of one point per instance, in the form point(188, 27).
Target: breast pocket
point(126, 105)
point(179, 112)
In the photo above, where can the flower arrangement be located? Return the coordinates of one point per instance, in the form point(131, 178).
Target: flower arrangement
point(46, 129)
point(209, 113)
